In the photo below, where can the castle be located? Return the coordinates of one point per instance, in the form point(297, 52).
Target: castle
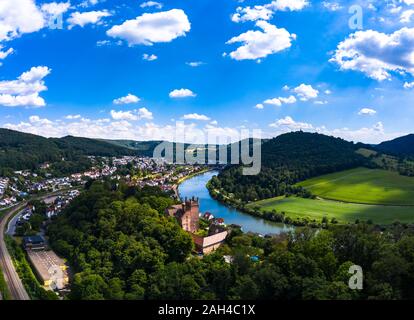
point(188, 216)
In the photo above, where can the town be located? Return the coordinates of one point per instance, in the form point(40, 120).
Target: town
point(46, 196)
point(139, 171)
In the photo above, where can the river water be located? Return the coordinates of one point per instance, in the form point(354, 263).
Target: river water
point(196, 186)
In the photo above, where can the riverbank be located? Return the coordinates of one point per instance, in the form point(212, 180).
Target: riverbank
point(180, 181)
point(268, 215)
point(196, 186)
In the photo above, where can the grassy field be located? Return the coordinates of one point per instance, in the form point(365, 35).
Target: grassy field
point(365, 194)
point(343, 212)
point(365, 186)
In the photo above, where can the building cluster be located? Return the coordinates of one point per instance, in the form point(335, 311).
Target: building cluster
point(188, 215)
point(51, 270)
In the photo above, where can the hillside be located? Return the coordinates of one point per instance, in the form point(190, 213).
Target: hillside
point(20, 151)
point(403, 146)
point(286, 160)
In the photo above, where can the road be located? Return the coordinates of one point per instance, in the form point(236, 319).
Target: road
point(15, 285)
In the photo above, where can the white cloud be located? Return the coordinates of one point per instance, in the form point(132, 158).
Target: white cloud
point(279, 101)
point(331, 5)
point(182, 93)
point(83, 18)
point(196, 116)
point(252, 14)
point(18, 17)
point(409, 85)
point(367, 112)
point(25, 90)
point(291, 5)
point(152, 28)
point(150, 4)
point(128, 99)
point(306, 92)
point(55, 8)
point(260, 44)
point(406, 16)
point(73, 116)
point(149, 57)
point(374, 134)
point(6, 53)
point(133, 115)
point(289, 100)
point(38, 120)
point(321, 102)
point(194, 64)
point(259, 106)
point(288, 124)
point(266, 12)
point(377, 54)
point(273, 102)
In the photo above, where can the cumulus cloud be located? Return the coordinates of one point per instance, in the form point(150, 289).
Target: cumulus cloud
point(182, 93)
point(128, 99)
point(18, 17)
point(252, 14)
point(83, 18)
point(306, 92)
point(266, 12)
point(152, 28)
point(367, 112)
point(196, 116)
point(260, 44)
point(406, 16)
point(149, 57)
point(25, 90)
point(133, 115)
point(288, 124)
point(377, 54)
point(331, 5)
point(151, 4)
point(55, 8)
point(279, 101)
point(259, 106)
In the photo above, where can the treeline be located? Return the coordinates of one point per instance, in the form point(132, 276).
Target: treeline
point(286, 160)
point(22, 151)
point(121, 246)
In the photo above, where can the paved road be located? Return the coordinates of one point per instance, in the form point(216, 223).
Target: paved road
point(15, 285)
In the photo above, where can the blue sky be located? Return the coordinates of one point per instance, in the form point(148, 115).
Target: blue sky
point(131, 69)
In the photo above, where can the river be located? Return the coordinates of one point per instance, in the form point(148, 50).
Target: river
point(196, 186)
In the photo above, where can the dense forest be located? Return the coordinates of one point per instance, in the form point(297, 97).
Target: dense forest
point(287, 159)
point(21, 151)
point(121, 246)
point(402, 146)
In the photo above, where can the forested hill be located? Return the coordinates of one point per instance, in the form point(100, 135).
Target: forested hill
point(20, 151)
point(403, 146)
point(287, 159)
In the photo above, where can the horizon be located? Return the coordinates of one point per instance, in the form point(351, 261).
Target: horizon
point(183, 142)
point(105, 70)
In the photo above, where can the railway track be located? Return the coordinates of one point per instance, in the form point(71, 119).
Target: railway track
point(15, 285)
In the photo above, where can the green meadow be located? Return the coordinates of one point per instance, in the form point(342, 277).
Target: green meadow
point(365, 194)
point(364, 185)
point(295, 207)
